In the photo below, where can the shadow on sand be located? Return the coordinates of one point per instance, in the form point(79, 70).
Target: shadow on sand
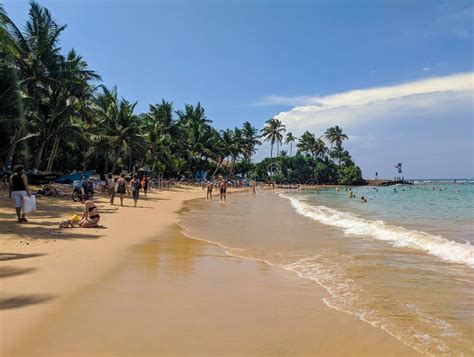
point(6, 272)
point(23, 300)
point(12, 256)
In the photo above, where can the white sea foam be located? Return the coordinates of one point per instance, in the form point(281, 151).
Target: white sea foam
point(353, 224)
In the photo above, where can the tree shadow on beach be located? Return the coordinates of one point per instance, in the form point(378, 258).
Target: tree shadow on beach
point(48, 232)
point(155, 199)
point(6, 272)
point(12, 256)
point(23, 300)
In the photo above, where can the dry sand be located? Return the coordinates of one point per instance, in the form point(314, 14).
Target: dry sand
point(138, 287)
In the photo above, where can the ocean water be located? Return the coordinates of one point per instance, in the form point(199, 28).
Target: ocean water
point(403, 261)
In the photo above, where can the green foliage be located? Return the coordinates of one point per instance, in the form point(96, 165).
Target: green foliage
point(350, 175)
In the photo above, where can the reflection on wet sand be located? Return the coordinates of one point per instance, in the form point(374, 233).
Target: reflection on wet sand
point(173, 255)
point(177, 296)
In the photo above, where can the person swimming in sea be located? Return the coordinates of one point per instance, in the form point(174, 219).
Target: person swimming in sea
point(363, 199)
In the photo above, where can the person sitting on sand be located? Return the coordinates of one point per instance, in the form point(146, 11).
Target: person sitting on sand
point(48, 190)
point(90, 217)
point(210, 187)
point(223, 190)
point(18, 189)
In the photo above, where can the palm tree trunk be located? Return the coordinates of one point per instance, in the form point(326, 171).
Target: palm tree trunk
point(291, 148)
point(39, 156)
point(232, 163)
point(53, 154)
point(218, 166)
point(106, 160)
point(271, 152)
point(12, 149)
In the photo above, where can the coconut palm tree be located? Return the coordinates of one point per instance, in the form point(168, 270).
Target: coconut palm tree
point(290, 139)
point(319, 148)
point(272, 131)
point(34, 52)
point(118, 128)
point(306, 143)
point(250, 140)
point(335, 136)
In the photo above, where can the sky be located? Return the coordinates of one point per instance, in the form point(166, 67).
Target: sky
point(396, 75)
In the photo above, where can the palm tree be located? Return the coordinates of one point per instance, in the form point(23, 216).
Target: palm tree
point(35, 54)
point(290, 139)
point(118, 128)
point(306, 143)
point(53, 84)
point(335, 136)
point(250, 140)
point(319, 148)
point(11, 110)
point(68, 101)
point(272, 131)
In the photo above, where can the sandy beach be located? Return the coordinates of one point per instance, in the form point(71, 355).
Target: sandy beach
point(76, 292)
point(42, 265)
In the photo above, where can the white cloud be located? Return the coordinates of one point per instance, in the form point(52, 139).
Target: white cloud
point(406, 100)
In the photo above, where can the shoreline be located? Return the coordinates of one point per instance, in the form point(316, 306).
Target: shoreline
point(25, 322)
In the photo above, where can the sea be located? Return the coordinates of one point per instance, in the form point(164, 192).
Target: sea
point(401, 259)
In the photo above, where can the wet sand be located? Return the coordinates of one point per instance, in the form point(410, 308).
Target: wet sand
point(177, 296)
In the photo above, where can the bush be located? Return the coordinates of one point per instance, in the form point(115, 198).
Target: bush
point(351, 175)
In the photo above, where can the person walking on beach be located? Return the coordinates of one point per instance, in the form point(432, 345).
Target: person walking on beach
point(223, 190)
point(121, 187)
point(253, 187)
point(145, 182)
point(90, 217)
point(135, 188)
point(210, 187)
point(19, 188)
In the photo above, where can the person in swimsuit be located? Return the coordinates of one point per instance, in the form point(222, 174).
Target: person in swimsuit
point(145, 182)
point(121, 187)
point(223, 190)
point(90, 217)
point(253, 187)
point(18, 189)
point(135, 187)
point(210, 187)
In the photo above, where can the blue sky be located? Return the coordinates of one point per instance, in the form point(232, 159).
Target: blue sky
point(252, 60)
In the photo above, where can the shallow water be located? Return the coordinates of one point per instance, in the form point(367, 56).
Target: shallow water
point(399, 261)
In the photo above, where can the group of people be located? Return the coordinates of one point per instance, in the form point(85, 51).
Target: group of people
point(122, 187)
point(222, 186)
point(19, 188)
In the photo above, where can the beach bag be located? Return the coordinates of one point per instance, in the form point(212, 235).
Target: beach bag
point(29, 204)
